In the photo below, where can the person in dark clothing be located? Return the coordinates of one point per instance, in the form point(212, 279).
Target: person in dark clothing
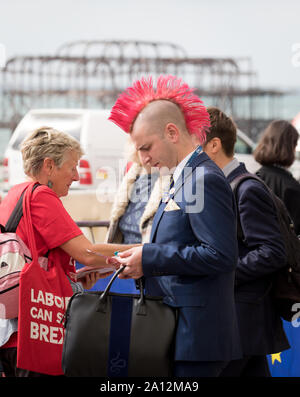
point(191, 256)
point(276, 152)
point(261, 253)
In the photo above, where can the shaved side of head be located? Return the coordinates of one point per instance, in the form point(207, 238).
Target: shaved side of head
point(157, 114)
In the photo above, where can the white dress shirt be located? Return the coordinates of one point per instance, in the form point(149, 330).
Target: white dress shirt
point(180, 166)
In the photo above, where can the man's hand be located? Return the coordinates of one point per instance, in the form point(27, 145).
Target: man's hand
point(132, 259)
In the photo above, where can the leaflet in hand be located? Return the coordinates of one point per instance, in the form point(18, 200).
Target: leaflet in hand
point(82, 272)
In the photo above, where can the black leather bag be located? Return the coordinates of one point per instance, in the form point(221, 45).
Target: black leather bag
point(118, 335)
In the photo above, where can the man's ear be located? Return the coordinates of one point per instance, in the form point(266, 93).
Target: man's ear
point(215, 145)
point(172, 132)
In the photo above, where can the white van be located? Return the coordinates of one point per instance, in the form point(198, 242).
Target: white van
point(102, 141)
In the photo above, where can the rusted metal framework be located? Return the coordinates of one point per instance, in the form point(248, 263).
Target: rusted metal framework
point(92, 74)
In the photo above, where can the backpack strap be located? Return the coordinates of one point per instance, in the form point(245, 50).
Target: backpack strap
point(235, 183)
point(16, 215)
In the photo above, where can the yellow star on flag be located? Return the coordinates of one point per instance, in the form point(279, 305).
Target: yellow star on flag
point(276, 357)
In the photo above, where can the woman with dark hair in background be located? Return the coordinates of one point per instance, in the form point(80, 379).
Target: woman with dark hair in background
point(276, 153)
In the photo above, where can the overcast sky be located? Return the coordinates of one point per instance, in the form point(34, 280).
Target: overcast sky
point(265, 30)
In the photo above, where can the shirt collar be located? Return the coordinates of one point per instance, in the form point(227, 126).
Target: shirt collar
point(234, 163)
point(181, 166)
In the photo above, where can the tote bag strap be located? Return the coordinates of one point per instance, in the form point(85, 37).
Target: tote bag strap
point(28, 222)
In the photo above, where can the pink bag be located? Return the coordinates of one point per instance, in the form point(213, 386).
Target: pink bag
point(13, 255)
point(43, 298)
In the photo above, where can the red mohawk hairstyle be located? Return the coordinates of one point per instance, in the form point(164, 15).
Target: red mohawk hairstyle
point(130, 103)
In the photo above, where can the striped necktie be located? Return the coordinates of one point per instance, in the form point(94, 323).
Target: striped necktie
point(166, 193)
point(171, 182)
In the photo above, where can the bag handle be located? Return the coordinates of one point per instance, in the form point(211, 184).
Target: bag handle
point(102, 303)
point(16, 215)
point(28, 223)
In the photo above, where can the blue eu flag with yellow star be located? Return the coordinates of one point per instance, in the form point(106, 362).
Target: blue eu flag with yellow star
point(287, 363)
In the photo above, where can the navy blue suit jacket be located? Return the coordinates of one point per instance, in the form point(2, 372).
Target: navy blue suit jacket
point(261, 253)
point(191, 259)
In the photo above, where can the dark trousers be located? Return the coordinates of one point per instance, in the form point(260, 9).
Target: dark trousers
point(199, 368)
point(249, 366)
point(8, 358)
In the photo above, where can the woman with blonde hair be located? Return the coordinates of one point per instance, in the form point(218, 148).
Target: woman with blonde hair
point(50, 158)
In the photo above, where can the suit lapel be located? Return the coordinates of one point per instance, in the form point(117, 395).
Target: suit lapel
point(198, 160)
point(156, 220)
point(180, 181)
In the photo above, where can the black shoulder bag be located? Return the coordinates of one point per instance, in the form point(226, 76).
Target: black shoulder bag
point(118, 335)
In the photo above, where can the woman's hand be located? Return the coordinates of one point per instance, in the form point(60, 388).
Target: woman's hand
point(91, 278)
point(88, 254)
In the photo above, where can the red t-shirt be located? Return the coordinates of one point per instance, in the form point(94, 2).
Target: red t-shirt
point(52, 225)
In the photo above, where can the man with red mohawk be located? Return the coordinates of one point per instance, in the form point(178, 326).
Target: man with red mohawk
point(192, 253)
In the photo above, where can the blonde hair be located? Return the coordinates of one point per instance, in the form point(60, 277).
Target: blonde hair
point(130, 152)
point(47, 142)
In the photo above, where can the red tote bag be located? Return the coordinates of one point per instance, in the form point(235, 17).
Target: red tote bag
point(44, 295)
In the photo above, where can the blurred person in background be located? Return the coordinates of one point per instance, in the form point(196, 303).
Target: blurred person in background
point(276, 153)
point(134, 207)
point(261, 254)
